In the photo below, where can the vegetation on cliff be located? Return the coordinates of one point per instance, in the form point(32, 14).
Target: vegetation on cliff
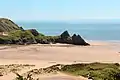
point(10, 33)
point(7, 25)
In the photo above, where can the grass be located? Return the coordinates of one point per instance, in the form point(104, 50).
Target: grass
point(16, 35)
point(98, 71)
point(26, 36)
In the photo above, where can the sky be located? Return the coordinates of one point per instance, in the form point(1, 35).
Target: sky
point(59, 10)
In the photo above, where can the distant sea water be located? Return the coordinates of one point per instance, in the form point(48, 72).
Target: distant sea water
point(100, 31)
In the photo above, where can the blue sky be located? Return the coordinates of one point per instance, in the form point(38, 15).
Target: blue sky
point(59, 10)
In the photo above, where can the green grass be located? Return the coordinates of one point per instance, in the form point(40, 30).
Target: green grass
point(16, 35)
point(46, 38)
point(19, 35)
point(99, 71)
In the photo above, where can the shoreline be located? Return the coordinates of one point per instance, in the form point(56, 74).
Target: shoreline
point(110, 41)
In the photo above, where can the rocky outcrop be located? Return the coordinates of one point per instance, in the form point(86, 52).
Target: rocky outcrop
point(34, 32)
point(7, 25)
point(78, 40)
point(65, 35)
point(75, 39)
point(17, 35)
point(64, 38)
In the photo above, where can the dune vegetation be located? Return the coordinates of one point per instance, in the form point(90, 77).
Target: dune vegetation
point(97, 71)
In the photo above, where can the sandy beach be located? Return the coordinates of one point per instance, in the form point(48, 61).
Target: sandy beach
point(50, 54)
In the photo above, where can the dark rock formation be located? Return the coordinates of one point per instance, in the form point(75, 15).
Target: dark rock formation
point(64, 38)
point(21, 28)
point(75, 39)
point(65, 35)
point(34, 32)
point(7, 25)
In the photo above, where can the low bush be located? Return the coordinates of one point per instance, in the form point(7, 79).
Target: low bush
point(99, 71)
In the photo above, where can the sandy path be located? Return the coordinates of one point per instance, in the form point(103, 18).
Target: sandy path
point(61, 76)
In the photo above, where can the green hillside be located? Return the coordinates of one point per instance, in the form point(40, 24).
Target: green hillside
point(7, 25)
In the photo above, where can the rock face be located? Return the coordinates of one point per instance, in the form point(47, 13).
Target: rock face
point(34, 32)
point(7, 25)
point(64, 38)
point(75, 39)
point(65, 35)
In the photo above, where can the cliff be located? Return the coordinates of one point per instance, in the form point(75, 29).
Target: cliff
point(11, 33)
point(7, 25)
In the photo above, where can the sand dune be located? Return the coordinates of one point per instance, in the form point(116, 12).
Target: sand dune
point(61, 76)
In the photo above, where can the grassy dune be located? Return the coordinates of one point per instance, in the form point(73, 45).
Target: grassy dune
point(98, 71)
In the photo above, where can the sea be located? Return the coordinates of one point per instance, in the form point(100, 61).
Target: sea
point(88, 31)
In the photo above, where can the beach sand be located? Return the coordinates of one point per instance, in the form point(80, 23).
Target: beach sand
point(46, 55)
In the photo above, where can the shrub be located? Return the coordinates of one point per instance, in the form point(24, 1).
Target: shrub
point(21, 36)
point(99, 71)
point(28, 77)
